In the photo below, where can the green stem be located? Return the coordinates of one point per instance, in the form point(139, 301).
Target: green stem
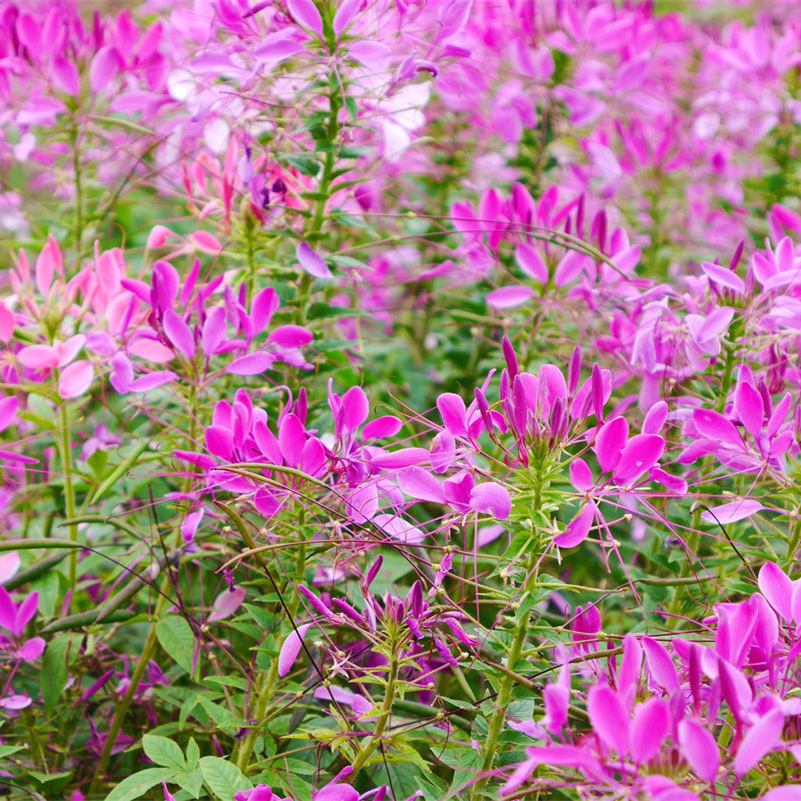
point(490, 749)
point(501, 705)
point(121, 710)
point(65, 454)
point(383, 719)
point(792, 547)
point(324, 193)
point(251, 257)
point(245, 747)
point(78, 218)
point(726, 381)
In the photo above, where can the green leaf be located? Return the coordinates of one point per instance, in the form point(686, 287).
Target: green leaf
point(119, 471)
point(164, 752)
point(54, 671)
point(305, 165)
point(8, 750)
point(176, 638)
point(51, 782)
point(190, 781)
point(226, 681)
point(192, 754)
point(223, 778)
point(137, 785)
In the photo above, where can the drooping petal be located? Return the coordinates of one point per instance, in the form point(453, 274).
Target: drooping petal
point(491, 499)
point(226, 603)
point(9, 565)
point(353, 411)
point(580, 475)
point(346, 13)
point(220, 442)
point(361, 706)
point(8, 612)
point(749, 407)
point(510, 297)
point(578, 528)
point(311, 261)
point(715, 426)
point(531, 263)
point(699, 748)
point(31, 649)
point(776, 586)
point(39, 357)
point(291, 336)
point(724, 277)
point(382, 427)
point(305, 13)
point(75, 379)
point(628, 677)
point(8, 411)
point(291, 439)
point(179, 333)
point(25, 612)
point(453, 412)
point(214, 329)
point(291, 648)
point(731, 512)
point(609, 718)
point(421, 485)
point(104, 68)
point(399, 529)
point(648, 730)
point(252, 364)
point(641, 453)
point(784, 792)
point(263, 307)
point(610, 441)
point(660, 665)
point(153, 380)
point(761, 738)
point(655, 418)
point(206, 242)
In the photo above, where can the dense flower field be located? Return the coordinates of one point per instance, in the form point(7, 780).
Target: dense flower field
point(400, 399)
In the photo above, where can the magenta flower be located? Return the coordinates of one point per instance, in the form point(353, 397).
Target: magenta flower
point(14, 619)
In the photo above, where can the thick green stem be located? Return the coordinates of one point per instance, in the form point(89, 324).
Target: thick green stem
point(323, 193)
point(65, 454)
point(792, 546)
point(121, 710)
point(245, 747)
point(383, 719)
point(507, 684)
point(490, 749)
point(725, 386)
point(78, 218)
point(251, 257)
